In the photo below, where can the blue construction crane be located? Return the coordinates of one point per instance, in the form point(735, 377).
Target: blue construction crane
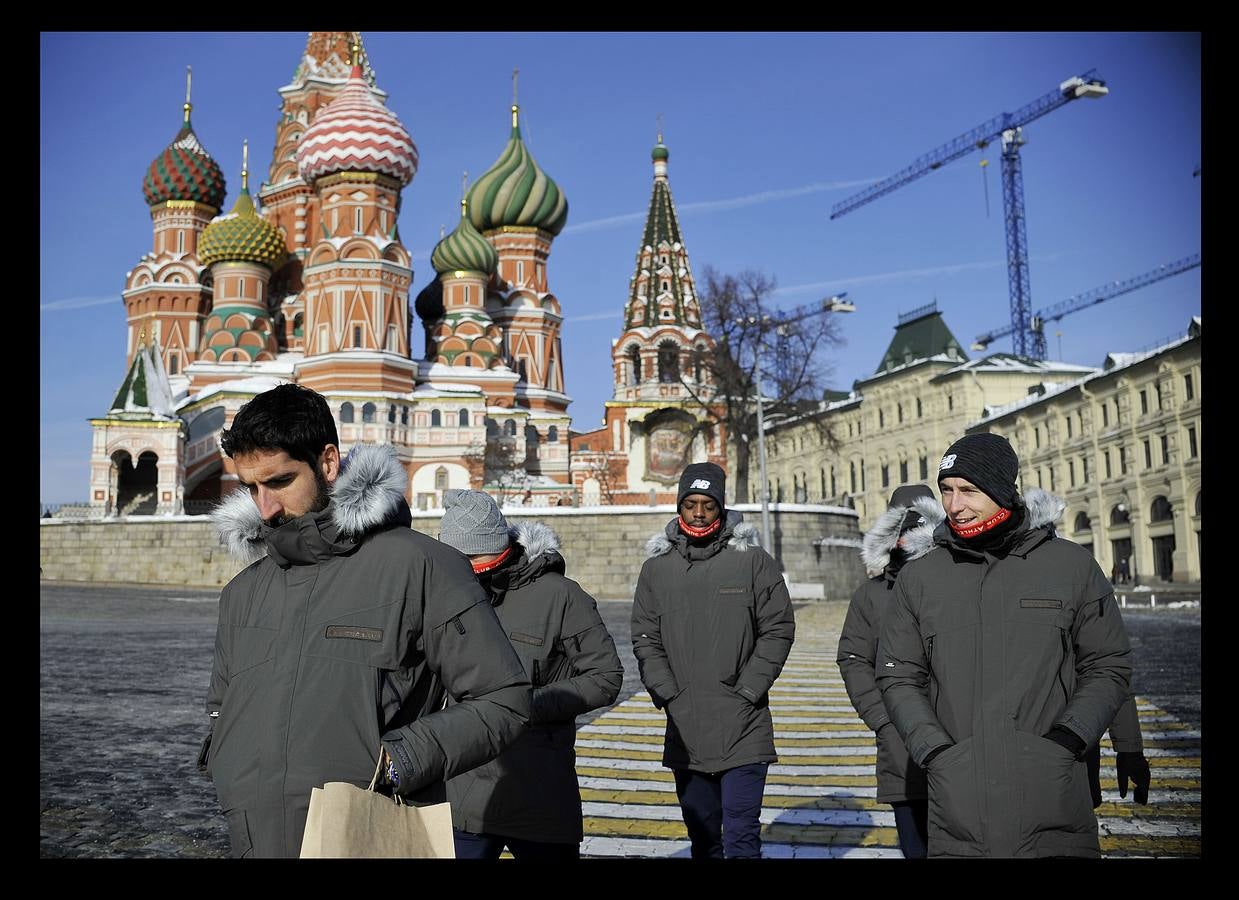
point(1086, 299)
point(1008, 128)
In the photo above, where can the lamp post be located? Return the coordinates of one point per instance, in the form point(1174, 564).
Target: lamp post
point(833, 303)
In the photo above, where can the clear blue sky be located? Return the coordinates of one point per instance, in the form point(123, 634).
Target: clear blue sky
point(766, 132)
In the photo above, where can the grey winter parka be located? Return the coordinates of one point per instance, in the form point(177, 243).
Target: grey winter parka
point(530, 790)
point(351, 628)
point(899, 779)
point(983, 654)
point(712, 626)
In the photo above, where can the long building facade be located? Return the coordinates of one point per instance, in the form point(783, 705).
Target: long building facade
point(1122, 447)
point(1121, 444)
point(308, 281)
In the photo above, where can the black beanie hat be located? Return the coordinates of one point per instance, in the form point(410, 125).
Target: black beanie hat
point(906, 495)
point(988, 461)
point(702, 478)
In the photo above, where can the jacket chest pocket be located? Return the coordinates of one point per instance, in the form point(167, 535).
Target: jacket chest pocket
point(539, 655)
point(1042, 609)
point(368, 637)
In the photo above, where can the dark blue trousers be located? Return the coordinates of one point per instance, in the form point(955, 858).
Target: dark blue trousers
point(722, 810)
point(912, 826)
point(489, 846)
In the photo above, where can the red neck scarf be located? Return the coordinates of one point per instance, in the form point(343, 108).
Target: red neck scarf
point(700, 532)
point(483, 568)
point(977, 528)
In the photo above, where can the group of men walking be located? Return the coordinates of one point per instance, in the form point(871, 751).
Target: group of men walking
point(987, 654)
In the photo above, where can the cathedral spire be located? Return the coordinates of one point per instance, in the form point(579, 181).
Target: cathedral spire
point(662, 291)
point(515, 106)
point(189, 78)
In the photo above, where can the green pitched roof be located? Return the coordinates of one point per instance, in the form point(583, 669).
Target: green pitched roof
point(919, 337)
point(145, 392)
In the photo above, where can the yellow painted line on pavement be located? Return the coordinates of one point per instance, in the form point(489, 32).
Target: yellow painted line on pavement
point(776, 801)
point(1148, 845)
point(820, 835)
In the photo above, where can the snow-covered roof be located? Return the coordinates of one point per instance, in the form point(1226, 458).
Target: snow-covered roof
point(1121, 361)
point(438, 388)
point(1008, 362)
point(253, 385)
point(937, 357)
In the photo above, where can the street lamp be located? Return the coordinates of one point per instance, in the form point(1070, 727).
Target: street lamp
point(833, 303)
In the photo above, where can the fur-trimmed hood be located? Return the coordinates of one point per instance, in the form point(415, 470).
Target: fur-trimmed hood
point(881, 539)
point(535, 537)
point(368, 493)
point(740, 535)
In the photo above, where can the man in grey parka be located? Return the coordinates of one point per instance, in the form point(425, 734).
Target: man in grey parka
point(1002, 659)
point(528, 797)
point(901, 782)
point(712, 625)
point(343, 639)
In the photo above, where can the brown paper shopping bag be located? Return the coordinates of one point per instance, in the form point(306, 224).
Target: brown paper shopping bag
point(348, 821)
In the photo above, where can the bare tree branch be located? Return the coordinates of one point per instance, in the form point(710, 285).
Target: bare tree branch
point(755, 340)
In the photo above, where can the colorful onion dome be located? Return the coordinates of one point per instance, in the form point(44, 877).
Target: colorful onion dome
point(464, 249)
point(515, 191)
point(184, 171)
point(242, 235)
point(356, 133)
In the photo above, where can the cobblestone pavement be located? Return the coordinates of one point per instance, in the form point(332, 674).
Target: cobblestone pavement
point(123, 673)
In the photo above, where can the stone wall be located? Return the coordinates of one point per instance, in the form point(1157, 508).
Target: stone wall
point(604, 547)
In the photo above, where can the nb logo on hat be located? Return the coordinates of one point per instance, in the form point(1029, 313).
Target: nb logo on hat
point(699, 483)
point(947, 461)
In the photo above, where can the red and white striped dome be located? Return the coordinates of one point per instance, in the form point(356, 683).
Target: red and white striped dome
point(356, 133)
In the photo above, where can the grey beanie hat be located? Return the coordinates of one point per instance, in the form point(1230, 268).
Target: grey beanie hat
point(472, 523)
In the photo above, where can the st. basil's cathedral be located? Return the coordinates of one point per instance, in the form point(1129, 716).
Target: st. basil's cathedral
point(311, 284)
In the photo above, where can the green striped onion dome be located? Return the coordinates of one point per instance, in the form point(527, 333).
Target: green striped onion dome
point(660, 152)
point(515, 191)
point(242, 236)
point(464, 250)
point(184, 171)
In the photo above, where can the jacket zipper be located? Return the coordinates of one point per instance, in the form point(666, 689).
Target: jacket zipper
point(1063, 639)
point(933, 679)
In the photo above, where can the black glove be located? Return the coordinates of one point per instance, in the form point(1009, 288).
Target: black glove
point(1067, 739)
point(1092, 759)
point(1136, 767)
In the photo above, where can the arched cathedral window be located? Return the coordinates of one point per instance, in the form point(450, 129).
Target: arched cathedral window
point(668, 362)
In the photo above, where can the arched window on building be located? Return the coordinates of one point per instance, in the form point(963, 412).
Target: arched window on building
point(391, 414)
point(668, 362)
point(1119, 515)
point(699, 362)
point(634, 363)
point(441, 478)
point(436, 419)
point(1082, 523)
point(492, 427)
point(346, 413)
point(404, 415)
point(1160, 510)
point(367, 412)
point(552, 435)
point(509, 428)
point(462, 418)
